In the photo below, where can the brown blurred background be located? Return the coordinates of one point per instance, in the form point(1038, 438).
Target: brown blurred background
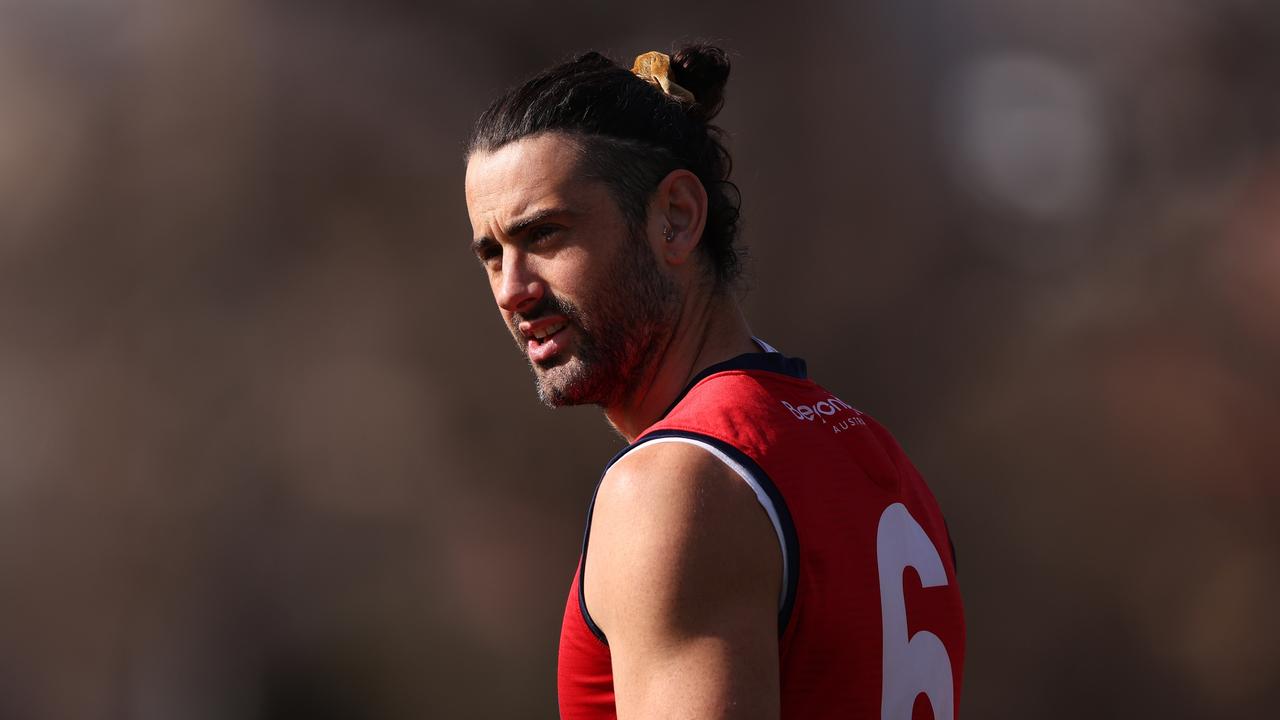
point(266, 451)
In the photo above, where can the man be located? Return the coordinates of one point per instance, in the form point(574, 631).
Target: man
point(749, 550)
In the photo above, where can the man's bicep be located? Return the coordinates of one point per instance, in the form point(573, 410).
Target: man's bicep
point(703, 677)
point(684, 578)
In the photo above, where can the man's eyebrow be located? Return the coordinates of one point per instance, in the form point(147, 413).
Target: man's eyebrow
point(528, 221)
point(521, 225)
point(479, 244)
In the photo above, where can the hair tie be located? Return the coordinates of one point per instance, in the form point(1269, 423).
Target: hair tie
point(653, 67)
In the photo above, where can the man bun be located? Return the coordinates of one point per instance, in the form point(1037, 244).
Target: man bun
point(704, 71)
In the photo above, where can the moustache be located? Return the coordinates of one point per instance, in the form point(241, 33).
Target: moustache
point(550, 305)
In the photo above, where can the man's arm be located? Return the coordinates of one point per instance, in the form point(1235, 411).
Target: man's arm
point(683, 576)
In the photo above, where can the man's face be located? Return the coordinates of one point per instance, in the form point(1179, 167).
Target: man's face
point(583, 295)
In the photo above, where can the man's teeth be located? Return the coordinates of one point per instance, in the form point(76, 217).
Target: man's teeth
point(549, 330)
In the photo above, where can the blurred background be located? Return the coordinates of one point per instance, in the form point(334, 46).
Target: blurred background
point(267, 452)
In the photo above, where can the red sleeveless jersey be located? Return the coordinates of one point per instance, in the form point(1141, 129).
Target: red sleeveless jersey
point(870, 621)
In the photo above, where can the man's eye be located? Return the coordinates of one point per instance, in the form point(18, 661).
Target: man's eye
point(489, 254)
point(541, 233)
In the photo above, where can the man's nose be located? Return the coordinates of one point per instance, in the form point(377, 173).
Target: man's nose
point(518, 290)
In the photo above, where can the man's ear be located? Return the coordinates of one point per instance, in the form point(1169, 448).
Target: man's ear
point(678, 216)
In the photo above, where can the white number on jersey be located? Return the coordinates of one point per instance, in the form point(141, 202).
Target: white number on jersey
point(916, 664)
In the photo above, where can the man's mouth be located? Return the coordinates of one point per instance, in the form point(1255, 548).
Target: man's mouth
point(543, 340)
point(548, 331)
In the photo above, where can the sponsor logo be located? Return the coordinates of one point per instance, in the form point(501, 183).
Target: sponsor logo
point(824, 409)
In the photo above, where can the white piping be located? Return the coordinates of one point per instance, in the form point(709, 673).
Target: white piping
point(764, 345)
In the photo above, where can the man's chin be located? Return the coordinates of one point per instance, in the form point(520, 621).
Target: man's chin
point(565, 384)
point(554, 395)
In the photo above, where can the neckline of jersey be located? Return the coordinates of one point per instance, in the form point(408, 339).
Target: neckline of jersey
point(770, 361)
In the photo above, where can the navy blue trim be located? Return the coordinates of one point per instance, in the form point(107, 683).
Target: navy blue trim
point(789, 538)
point(955, 562)
point(586, 537)
point(767, 361)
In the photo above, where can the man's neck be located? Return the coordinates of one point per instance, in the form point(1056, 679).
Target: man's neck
point(709, 330)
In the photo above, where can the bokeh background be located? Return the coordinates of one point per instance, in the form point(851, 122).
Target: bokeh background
point(266, 451)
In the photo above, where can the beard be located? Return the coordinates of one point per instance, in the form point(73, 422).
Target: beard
point(619, 327)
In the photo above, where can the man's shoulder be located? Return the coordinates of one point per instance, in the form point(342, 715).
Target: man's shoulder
point(662, 476)
point(672, 522)
point(679, 491)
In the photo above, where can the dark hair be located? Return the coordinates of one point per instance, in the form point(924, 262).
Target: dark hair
point(631, 134)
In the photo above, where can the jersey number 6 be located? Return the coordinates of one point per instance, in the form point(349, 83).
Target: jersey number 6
point(919, 663)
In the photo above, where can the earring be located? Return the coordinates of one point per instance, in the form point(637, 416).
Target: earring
point(667, 233)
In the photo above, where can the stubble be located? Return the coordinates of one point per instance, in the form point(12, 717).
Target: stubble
point(620, 327)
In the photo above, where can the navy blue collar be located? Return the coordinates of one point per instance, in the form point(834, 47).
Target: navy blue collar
point(768, 361)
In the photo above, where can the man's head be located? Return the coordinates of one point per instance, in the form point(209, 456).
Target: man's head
point(596, 199)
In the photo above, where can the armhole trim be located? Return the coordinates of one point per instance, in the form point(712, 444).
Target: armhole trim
point(766, 493)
